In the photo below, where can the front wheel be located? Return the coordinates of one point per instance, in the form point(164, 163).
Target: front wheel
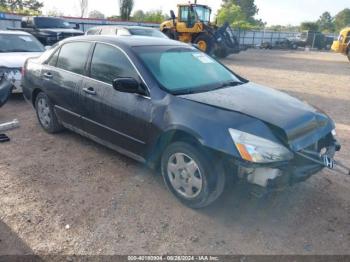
point(191, 176)
point(204, 43)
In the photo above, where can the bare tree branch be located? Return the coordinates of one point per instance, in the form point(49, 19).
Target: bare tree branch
point(83, 4)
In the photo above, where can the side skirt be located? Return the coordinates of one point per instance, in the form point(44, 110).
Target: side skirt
point(104, 143)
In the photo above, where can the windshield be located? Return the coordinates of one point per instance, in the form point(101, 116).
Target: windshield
point(203, 13)
point(19, 43)
point(48, 22)
point(147, 32)
point(185, 70)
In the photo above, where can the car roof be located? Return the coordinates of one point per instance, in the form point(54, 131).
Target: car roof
point(124, 27)
point(128, 41)
point(13, 32)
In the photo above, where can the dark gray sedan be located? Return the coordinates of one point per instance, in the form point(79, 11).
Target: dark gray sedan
point(173, 107)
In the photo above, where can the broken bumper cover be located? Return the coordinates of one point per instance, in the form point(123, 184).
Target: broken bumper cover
point(277, 176)
point(14, 76)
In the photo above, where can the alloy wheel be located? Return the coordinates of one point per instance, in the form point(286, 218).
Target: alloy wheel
point(184, 175)
point(44, 112)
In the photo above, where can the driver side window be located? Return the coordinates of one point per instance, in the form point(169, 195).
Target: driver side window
point(109, 63)
point(184, 12)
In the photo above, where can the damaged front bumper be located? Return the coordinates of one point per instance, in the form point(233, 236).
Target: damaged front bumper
point(14, 76)
point(277, 176)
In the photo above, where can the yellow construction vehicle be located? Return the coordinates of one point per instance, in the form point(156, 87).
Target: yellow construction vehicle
point(342, 45)
point(192, 25)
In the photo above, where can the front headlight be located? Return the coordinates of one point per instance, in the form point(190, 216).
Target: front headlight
point(334, 133)
point(259, 150)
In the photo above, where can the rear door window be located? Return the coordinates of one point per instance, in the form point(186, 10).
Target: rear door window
point(53, 60)
point(73, 57)
point(109, 63)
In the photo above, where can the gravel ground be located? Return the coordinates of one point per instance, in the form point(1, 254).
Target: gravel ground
point(63, 194)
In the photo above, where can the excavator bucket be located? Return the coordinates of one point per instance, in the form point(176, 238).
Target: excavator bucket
point(226, 41)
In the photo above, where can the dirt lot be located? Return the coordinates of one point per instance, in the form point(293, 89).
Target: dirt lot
point(114, 205)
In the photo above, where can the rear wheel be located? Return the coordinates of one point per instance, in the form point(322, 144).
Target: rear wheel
point(189, 175)
point(46, 114)
point(205, 43)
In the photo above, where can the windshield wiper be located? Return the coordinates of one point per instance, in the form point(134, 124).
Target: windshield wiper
point(228, 84)
point(18, 50)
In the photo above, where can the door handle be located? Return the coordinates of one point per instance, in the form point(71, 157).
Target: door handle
point(89, 90)
point(48, 75)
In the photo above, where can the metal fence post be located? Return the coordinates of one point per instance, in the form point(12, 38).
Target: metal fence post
point(253, 38)
point(313, 41)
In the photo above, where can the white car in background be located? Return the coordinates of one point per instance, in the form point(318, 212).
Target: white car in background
point(120, 30)
point(15, 48)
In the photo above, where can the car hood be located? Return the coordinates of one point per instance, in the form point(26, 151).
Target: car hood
point(16, 60)
point(293, 118)
point(62, 30)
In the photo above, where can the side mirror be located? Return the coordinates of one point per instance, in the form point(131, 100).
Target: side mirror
point(172, 15)
point(128, 85)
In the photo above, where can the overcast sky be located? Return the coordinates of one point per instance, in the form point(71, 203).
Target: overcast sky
point(271, 11)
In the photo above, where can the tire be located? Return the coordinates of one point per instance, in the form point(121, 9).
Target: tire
point(349, 55)
point(46, 114)
point(221, 52)
point(170, 33)
point(205, 43)
point(196, 189)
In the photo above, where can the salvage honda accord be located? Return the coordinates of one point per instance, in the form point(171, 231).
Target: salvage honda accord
point(171, 106)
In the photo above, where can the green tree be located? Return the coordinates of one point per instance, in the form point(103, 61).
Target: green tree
point(342, 19)
point(248, 8)
point(242, 17)
point(139, 16)
point(286, 28)
point(230, 13)
point(96, 14)
point(21, 6)
point(309, 26)
point(3, 3)
point(154, 16)
point(326, 23)
point(54, 12)
point(126, 7)
point(233, 14)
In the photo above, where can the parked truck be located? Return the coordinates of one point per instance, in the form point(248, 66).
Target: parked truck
point(48, 30)
point(315, 40)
